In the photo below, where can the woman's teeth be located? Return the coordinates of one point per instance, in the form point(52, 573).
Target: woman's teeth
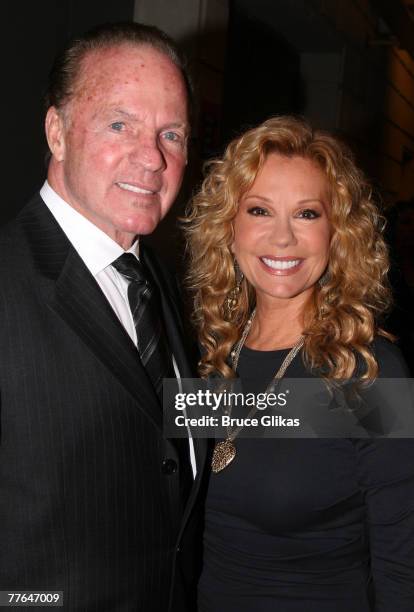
point(280, 264)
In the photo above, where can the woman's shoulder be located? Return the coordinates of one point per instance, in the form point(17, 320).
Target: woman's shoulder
point(391, 363)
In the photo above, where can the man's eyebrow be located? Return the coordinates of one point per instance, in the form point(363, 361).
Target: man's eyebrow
point(177, 125)
point(124, 113)
point(106, 113)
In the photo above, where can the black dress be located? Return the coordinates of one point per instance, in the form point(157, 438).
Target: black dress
point(311, 525)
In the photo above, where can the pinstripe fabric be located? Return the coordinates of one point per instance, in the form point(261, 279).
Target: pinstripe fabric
point(84, 504)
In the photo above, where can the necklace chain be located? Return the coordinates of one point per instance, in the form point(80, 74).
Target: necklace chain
point(235, 355)
point(225, 451)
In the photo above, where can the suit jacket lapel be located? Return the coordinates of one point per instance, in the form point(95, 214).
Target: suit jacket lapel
point(171, 314)
point(79, 301)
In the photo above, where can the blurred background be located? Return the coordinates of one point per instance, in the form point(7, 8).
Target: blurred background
point(347, 65)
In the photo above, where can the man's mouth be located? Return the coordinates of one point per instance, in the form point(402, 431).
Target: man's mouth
point(136, 189)
point(280, 264)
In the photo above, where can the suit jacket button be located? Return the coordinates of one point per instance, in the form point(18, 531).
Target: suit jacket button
point(169, 466)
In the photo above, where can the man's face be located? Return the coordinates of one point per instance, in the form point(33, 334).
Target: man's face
point(119, 147)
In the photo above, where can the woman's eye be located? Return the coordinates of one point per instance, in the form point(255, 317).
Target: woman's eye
point(257, 211)
point(117, 126)
point(309, 213)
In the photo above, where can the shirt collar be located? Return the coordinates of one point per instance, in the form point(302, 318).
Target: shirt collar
point(96, 249)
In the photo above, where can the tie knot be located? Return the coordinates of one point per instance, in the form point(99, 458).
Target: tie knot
point(129, 266)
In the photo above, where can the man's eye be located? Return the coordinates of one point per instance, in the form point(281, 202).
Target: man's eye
point(308, 213)
point(257, 211)
point(118, 126)
point(173, 136)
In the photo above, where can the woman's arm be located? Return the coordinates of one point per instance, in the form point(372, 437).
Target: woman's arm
point(386, 477)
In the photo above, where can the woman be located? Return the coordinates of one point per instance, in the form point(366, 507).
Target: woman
point(289, 270)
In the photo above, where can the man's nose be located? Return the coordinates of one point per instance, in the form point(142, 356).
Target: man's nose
point(146, 152)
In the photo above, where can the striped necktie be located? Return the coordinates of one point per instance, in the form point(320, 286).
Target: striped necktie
point(145, 307)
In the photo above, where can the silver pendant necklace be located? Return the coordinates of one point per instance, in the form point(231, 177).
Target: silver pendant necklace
point(225, 451)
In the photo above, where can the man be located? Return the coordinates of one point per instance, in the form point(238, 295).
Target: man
point(93, 500)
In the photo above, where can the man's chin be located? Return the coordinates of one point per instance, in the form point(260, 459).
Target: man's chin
point(137, 227)
point(143, 229)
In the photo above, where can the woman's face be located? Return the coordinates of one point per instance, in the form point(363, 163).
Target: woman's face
point(282, 230)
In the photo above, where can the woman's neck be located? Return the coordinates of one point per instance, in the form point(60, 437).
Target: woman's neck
point(277, 325)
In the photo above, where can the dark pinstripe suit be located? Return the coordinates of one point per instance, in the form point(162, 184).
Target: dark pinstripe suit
point(84, 504)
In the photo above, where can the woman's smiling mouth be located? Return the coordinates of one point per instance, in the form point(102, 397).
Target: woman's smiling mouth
point(282, 264)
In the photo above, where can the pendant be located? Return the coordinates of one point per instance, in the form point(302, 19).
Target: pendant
point(223, 454)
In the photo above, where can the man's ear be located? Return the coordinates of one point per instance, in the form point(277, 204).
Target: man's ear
point(55, 133)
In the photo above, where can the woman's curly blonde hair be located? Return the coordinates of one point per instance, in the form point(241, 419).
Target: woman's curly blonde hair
point(341, 320)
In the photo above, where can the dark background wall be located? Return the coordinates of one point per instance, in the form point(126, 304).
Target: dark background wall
point(263, 76)
point(32, 34)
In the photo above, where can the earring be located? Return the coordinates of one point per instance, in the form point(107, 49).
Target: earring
point(232, 300)
point(323, 279)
